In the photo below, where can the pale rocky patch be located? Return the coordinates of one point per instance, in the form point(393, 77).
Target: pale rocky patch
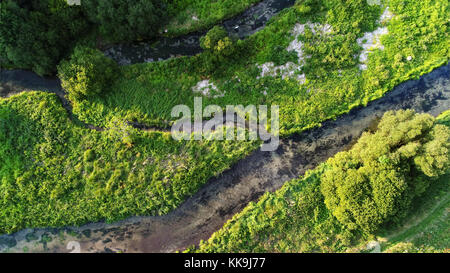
point(289, 69)
point(205, 87)
point(371, 41)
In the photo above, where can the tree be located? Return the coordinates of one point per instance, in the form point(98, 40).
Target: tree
point(374, 182)
point(218, 46)
point(88, 72)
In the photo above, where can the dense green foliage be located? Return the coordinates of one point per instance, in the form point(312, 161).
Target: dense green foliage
point(55, 173)
point(87, 73)
point(77, 175)
point(376, 180)
point(218, 47)
point(296, 218)
point(217, 41)
point(427, 227)
point(37, 34)
point(148, 92)
point(293, 219)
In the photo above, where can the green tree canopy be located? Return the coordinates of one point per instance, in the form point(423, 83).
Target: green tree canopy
point(217, 41)
point(375, 181)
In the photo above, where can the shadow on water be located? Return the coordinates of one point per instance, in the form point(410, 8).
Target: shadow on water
point(223, 196)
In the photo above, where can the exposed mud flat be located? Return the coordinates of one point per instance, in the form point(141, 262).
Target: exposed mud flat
point(223, 196)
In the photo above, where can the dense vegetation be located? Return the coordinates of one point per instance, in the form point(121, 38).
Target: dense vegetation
point(87, 73)
point(55, 173)
point(218, 47)
point(37, 34)
point(300, 216)
point(125, 20)
point(426, 229)
point(192, 15)
point(376, 180)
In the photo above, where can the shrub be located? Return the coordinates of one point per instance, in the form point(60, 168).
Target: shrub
point(218, 47)
point(217, 41)
point(374, 182)
point(87, 73)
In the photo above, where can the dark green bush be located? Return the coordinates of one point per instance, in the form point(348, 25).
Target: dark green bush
point(88, 72)
point(218, 46)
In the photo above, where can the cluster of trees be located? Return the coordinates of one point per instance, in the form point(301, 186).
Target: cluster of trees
point(88, 72)
point(374, 183)
point(37, 34)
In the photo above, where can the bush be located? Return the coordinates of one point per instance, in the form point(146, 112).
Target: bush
point(374, 182)
point(218, 48)
point(87, 73)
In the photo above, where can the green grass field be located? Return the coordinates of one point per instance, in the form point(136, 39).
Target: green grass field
point(334, 83)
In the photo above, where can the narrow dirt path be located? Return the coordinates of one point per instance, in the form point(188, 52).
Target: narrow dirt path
point(223, 196)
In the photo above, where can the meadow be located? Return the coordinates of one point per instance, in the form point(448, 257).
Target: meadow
point(322, 86)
